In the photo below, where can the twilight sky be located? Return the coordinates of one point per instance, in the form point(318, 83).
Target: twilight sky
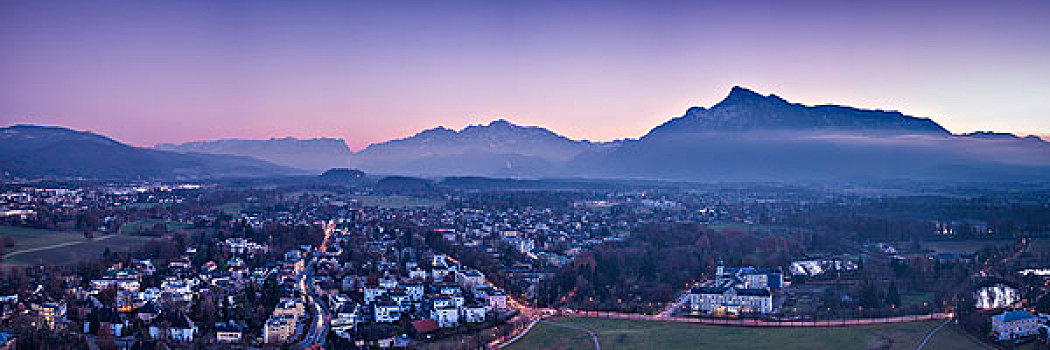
point(159, 71)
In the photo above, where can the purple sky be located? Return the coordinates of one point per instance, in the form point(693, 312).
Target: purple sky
point(158, 71)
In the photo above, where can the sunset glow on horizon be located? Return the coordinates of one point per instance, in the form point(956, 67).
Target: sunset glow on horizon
point(147, 73)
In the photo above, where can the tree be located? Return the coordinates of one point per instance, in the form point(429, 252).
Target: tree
point(105, 339)
point(893, 297)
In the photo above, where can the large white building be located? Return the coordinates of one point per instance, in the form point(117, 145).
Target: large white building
point(730, 300)
point(737, 291)
point(1012, 325)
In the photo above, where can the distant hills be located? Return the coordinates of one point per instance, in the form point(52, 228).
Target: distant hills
point(500, 148)
point(310, 154)
point(751, 137)
point(28, 151)
point(744, 138)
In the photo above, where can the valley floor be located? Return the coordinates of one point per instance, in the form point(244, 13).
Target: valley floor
point(632, 334)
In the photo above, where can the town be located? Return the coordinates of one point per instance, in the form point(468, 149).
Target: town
point(411, 263)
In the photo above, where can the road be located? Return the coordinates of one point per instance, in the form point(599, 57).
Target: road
point(670, 309)
point(317, 329)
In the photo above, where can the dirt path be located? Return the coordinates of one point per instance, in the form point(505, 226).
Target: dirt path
point(53, 246)
point(597, 346)
point(932, 332)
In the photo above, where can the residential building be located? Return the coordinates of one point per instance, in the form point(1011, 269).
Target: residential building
point(1013, 325)
point(278, 329)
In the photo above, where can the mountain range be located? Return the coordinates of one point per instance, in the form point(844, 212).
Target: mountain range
point(497, 149)
point(311, 154)
point(29, 151)
point(751, 137)
point(745, 137)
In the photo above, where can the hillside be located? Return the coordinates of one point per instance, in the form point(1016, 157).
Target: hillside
point(29, 151)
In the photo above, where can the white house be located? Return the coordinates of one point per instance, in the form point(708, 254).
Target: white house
point(417, 274)
point(470, 278)
point(414, 291)
point(474, 313)
point(345, 320)
point(439, 260)
point(179, 327)
point(446, 316)
point(373, 293)
point(497, 301)
point(387, 312)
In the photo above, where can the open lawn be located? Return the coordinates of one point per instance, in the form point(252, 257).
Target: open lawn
point(632, 334)
point(51, 247)
point(756, 228)
point(964, 246)
point(1039, 245)
point(916, 299)
point(396, 201)
point(144, 205)
point(75, 250)
point(30, 238)
point(231, 208)
point(548, 336)
point(137, 227)
point(954, 337)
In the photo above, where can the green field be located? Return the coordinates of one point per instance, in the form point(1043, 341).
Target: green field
point(144, 205)
point(231, 208)
point(77, 250)
point(145, 225)
point(30, 238)
point(631, 334)
point(34, 246)
point(755, 228)
point(548, 336)
point(396, 201)
point(1039, 245)
point(964, 246)
point(916, 299)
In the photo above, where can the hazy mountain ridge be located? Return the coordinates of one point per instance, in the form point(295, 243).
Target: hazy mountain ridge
point(499, 136)
point(56, 152)
point(500, 148)
point(312, 154)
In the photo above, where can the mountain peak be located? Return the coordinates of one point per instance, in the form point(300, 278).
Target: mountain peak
point(739, 94)
point(501, 123)
point(746, 110)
